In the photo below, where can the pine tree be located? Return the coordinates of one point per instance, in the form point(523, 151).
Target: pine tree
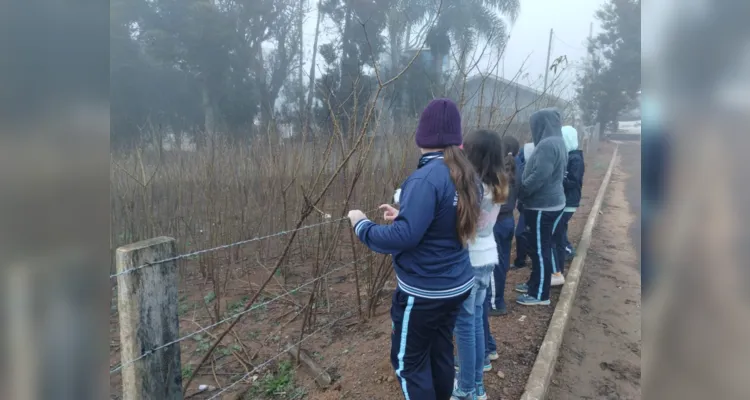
point(612, 79)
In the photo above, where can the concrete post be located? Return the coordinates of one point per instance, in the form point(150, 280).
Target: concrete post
point(147, 304)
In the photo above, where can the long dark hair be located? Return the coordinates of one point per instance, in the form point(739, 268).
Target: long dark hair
point(511, 147)
point(465, 180)
point(484, 149)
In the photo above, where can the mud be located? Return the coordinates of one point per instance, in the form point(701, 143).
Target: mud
point(601, 352)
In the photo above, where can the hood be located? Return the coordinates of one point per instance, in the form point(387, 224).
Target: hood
point(570, 135)
point(651, 115)
point(528, 149)
point(545, 123)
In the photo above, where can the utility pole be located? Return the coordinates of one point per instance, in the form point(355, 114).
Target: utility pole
point(591, 37)
point(598, 127)
point(549, 51)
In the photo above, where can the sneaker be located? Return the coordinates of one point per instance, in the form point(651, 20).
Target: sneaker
point(493, 356)
point(522, 288)
point(459, 394)
point(481, 394)
point(570, 254)
point(487, 366)
point(498, 312)
point(527, 300)
point(557, 279)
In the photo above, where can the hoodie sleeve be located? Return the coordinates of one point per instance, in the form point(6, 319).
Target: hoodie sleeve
point(537, 169)
point(520, 164)
point(418, 204)
point(574, 174)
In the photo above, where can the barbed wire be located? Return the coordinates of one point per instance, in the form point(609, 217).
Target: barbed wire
point(235, 315)
point(337, 358)
point(325, 370)
point(290, 347)
point(226, 246)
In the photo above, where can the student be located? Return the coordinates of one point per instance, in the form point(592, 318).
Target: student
point(504, 228)
point(657, 156)
point(543, 200)
point(485, 151)
point(573, 184)
point(522, 231)
point(439, 210)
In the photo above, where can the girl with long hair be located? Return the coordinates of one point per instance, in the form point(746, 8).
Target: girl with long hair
point(428, 237)
point(485, 151)
point(494, 303)
point(504, 228)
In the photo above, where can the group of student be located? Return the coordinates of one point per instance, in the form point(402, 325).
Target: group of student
point(450, 240)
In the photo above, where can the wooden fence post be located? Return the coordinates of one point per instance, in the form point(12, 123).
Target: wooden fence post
point(147, 305)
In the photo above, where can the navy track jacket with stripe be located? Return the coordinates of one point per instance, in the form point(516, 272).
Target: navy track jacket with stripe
point(428, 256)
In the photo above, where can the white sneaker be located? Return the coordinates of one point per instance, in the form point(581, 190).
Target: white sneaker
point(557, 279)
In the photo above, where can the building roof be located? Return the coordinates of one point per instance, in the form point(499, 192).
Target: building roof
point(511, 83)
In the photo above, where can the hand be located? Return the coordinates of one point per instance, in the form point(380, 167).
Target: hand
point(356, 216)
point(389, 212)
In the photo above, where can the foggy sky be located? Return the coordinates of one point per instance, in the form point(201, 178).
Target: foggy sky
point(569, 19)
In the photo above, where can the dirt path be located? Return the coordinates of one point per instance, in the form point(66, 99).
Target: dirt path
point(601, 353)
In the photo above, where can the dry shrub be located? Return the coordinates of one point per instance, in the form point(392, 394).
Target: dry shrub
point(226, 192)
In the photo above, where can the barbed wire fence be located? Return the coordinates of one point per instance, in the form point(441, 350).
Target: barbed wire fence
point(149, 323)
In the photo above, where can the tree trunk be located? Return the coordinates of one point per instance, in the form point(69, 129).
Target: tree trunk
point(300, 23)
point(269, 88)
point(394, 36)
point(464, 52)
point(346, 70)
point(266, 113)
point(209, 118)
point(310, 90)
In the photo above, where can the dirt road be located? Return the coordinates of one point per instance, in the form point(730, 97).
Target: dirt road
point(601, 352)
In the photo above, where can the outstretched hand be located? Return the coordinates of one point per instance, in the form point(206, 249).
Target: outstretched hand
point(356, 216)
point(389, 212)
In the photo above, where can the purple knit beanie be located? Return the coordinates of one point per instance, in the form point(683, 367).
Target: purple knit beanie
point(439, 126)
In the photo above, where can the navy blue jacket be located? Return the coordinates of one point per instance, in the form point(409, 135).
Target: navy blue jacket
point(573, 181)
point(428, 256)
point(520, 164)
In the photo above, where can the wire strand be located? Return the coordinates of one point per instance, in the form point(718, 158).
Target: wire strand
point(347, 315)
point(226, 246)
point(233, 316)
point(578, 47)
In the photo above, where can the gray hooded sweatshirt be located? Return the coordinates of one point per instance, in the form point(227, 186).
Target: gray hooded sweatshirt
point(542, 181)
